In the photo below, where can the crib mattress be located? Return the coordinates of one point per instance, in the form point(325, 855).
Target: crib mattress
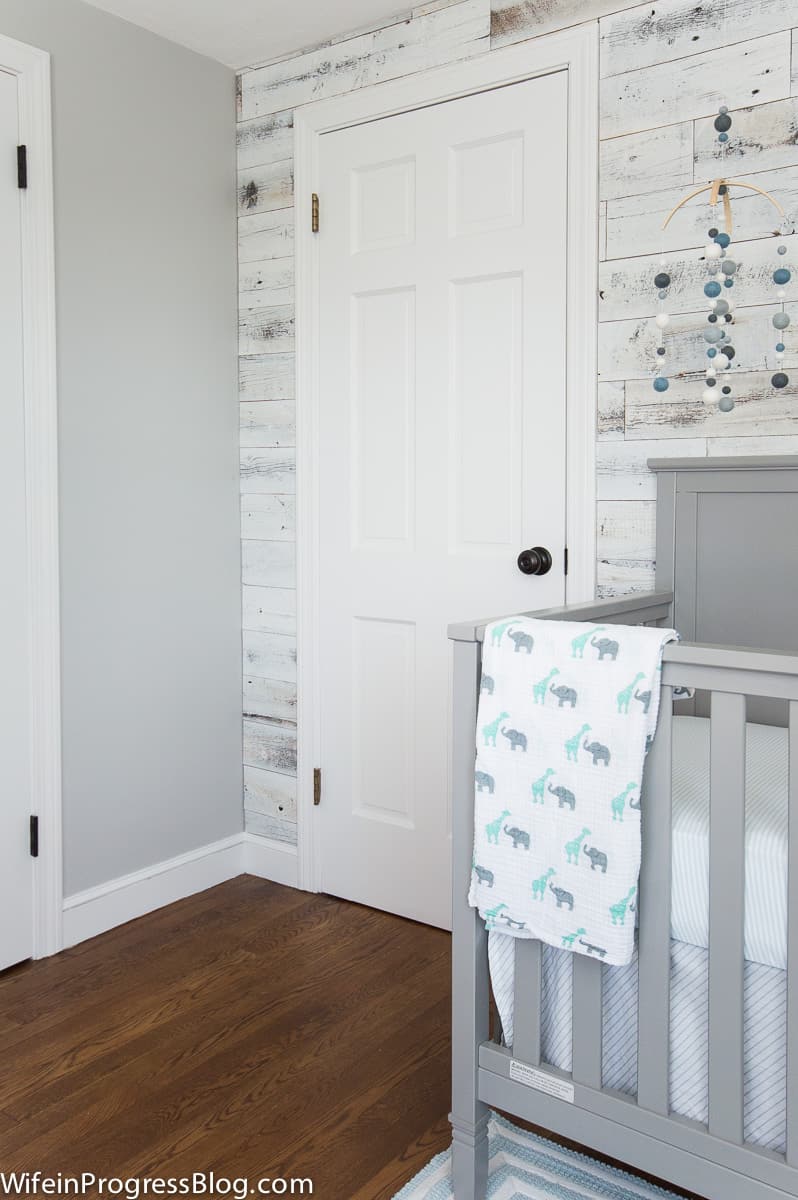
point(765, 1039)
point(765, 839)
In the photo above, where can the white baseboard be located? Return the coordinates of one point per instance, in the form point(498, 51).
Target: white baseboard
point(271, 860)
point(109, 904)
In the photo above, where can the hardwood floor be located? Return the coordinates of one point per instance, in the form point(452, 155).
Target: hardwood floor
point(251, 1030)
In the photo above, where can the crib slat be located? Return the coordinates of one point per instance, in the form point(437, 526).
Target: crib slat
point(527, 1000)
point(792, 943)
point(587, 1024)
point(654, 962)
point(726, 914)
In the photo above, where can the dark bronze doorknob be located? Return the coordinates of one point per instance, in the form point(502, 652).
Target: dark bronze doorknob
point(536, 561)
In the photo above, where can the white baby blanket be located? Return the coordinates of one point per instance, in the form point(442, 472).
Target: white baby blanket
point(566, 713)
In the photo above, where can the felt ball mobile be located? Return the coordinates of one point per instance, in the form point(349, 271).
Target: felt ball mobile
point(721, 272)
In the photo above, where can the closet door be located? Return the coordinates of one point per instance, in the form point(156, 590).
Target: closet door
point(16, 882)
point(442, 450)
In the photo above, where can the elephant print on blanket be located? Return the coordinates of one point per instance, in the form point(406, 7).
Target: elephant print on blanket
point(566, 714)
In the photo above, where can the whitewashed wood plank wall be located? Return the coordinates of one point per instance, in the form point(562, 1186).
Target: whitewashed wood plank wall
point(666, 66)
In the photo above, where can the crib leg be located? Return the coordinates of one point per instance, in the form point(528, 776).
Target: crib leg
point(470, 1021)
point(470, 1159)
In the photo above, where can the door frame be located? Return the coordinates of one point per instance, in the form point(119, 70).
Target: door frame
point(32, 69)
point(574, 50)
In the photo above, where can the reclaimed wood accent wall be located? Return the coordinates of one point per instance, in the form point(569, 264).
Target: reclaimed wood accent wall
point(666, 67)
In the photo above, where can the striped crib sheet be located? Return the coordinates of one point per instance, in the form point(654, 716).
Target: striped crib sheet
point(765, 1007)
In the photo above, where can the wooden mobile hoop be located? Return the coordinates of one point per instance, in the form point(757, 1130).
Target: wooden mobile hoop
point(719, 188)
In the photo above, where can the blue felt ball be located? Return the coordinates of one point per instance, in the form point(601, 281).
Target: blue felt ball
point(779, 347)
point(723, 137)
point(712, 289)
point(723, 240)
point(728, 281)
point(711, 352)
point(661, 384)
point(781, 275)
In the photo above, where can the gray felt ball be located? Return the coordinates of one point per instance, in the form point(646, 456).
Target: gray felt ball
point(781, 320)
point(729, 267)
point(725, 404)
point(713, 334)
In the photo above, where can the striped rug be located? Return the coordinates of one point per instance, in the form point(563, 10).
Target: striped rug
point(526, 1167)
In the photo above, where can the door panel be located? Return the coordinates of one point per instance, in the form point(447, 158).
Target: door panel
point(16, 896)
point(442, 300)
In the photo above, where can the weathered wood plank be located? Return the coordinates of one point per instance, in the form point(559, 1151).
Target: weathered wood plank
point(266, 330)
point(516, 20)
point(759, 409)
point(762, 139)
point(270, 656)
point(634, 225)
point(269, 469)
point(267, 423)
point(266, 377)
point(621, 470)
point(273, 698)
point(445, 35)
point(626, 286)
point(265, 140)
point(611, 410)
point(753, 445)
point(268, 793)
point(626, 540)
point(274, 828)
point(268, 564)
point(266, 187)
point(661, 32)
point(270, 746)
point(627, 349)
point(266, 235)
point(268, 518)
point(269, 609)
point(266, 284)
point(745, 73)
point(644, 162)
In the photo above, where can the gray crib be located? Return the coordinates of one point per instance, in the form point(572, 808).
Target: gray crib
point(727, 579)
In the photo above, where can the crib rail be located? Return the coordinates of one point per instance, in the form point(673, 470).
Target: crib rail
point(729, 675)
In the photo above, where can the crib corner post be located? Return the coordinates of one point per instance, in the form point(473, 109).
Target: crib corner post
point(470, 1022)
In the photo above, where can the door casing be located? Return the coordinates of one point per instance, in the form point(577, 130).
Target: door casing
point(32, 69)
point(574, 50)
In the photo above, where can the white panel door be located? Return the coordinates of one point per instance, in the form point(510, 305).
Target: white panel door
point(442, 299)
point(16, 892)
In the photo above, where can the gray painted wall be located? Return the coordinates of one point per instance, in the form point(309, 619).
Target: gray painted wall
point(146, 307)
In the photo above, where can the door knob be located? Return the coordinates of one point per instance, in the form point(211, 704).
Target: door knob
point(536, 561)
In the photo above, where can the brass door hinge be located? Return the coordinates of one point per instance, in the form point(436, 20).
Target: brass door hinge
point(317, 785)
point(314, 213)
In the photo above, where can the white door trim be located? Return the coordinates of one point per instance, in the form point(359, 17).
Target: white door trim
point(32, 68)
point(574, 50)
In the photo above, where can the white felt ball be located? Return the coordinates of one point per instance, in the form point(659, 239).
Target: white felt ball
point(662, 319)
point(711, 372)
point(781, 294)
point(709, 395)
point(713, 250)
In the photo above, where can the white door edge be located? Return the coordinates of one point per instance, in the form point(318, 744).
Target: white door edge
point(32, 68)
point(574, 50)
